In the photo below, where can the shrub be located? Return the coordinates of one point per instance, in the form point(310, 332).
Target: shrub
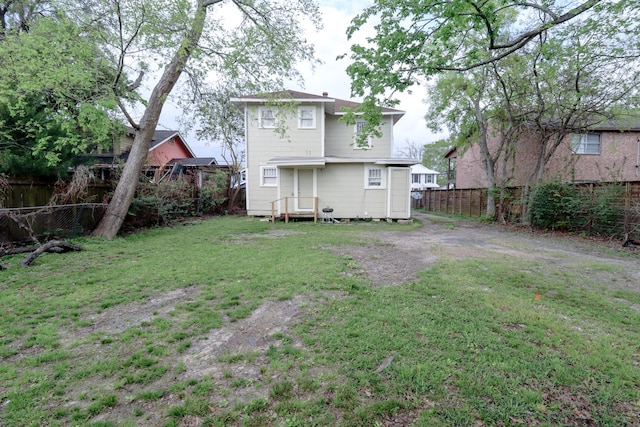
point(549, 207)
point(596, 211)
point(162, 203)
point(213, 192)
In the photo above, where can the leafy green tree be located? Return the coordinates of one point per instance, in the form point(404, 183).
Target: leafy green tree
point(433, 155)
point(56, 97)
point(415, 40)
point(494, 64)
point(223, 122)
point(17, 15)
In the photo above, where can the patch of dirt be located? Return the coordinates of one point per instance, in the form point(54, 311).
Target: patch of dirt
point(251, 335)
point(392, 258)
point(388, 258)
point(117, 319)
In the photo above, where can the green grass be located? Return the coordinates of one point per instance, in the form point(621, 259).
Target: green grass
point(465, 344)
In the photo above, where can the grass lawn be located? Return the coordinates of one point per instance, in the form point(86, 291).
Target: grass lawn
point(103, 336)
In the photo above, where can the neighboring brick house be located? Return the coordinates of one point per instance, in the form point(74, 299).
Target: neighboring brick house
point(607, 153)
point(316, 164)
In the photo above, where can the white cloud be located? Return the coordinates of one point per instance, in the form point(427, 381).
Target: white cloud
point(331, 77)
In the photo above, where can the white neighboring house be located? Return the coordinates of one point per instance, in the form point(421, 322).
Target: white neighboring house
point(316, 164)
point(423, 178)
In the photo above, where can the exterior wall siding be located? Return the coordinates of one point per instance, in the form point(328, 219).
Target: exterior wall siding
point(399, 182)
point(341, 186)
point(163, 153)
point(265, 144)
point(340, 141)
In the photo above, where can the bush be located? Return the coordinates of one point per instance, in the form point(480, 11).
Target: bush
point(595, 211)
point(213, 192)
point(549, 207)
point(161, 204)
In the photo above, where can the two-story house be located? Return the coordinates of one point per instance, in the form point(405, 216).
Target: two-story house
point(608, 152)
point(423, 178)
point(301, 159)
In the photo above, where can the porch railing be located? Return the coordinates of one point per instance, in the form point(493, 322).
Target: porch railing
point(286, 207)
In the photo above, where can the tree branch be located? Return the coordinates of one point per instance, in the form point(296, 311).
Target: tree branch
point(51, 246)
point(555, 22)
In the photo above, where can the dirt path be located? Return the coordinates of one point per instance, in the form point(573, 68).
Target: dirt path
point(399, 256)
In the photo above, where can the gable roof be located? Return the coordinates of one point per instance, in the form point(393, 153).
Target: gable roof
point(335, 106)
point(421, 169)
point(195, 162)
point(162, 136)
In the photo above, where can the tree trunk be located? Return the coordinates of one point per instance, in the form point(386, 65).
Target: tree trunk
point(487, 162)
point(125, 190)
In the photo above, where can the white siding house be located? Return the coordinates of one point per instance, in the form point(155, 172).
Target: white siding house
point(301, 158)
point(423, 178)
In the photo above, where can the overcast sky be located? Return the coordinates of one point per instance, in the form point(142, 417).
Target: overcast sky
point(331, 77)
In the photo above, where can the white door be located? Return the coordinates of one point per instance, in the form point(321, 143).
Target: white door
point(399, 189)
point(305, 189)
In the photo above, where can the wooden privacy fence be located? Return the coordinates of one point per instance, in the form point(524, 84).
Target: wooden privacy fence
point(473, 201)
point(470, 202)
point(30, 193)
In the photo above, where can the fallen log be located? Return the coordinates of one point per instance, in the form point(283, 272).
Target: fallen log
point(56, 246)
point(18, 250)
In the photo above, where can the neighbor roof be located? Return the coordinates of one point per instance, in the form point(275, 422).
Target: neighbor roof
point(161, 136)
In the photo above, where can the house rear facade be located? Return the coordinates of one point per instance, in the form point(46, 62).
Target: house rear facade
point(301, 158)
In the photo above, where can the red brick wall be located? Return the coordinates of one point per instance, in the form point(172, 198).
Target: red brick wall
point(616, 162)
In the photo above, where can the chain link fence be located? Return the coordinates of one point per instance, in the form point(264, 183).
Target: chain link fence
point(19, 225)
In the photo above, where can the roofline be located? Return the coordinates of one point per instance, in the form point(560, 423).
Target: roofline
point(282, 100)
point(384, 113)
point(321, 161)
point(181, 139)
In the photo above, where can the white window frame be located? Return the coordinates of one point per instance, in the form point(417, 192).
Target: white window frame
point(269, 173)
point(357, 129)
point(585, 143)
point(416, 178)
point(267, 121)
point(306, 122)
point(370, 178)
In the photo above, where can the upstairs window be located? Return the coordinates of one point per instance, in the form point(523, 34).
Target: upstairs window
point(415, 178)
point(306, 117)
point(586, 143)
point(431, 178)
point(358, 131)
point(267, 117)
point(268, 176)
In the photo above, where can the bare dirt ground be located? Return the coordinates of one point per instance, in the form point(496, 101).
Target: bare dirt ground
point(398, 257)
